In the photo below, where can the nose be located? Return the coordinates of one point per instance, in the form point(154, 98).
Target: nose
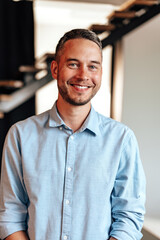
point(82, 74)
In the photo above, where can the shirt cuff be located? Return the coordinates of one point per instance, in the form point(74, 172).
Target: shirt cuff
point(5, 231)
point(122, 231)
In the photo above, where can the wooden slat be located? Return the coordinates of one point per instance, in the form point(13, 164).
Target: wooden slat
point(29, 69)
point(44, 58)
point(102, 27)
point(131, 3)
point(1, 115)
point(11, 83)
point(5, 97)
point(120, 14)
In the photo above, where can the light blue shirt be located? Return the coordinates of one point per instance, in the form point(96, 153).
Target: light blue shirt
point(60, 185)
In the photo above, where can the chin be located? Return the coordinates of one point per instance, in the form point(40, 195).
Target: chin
point(77, 103)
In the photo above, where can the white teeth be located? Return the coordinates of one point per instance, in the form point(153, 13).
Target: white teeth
point(81, 87)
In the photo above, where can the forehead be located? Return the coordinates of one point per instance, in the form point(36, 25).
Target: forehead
point(82, 48)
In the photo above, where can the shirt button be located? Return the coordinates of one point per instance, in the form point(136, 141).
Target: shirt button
point(67, 202)
point(65, 237)
point(69, 169)
point(60, 128)
point(72, 137)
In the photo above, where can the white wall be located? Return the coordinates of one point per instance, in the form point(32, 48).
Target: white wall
point(141, 102)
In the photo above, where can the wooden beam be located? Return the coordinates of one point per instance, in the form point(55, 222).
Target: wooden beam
point(15, 99)
point(134, 23)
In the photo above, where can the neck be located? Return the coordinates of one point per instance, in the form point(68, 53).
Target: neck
point(73, 116)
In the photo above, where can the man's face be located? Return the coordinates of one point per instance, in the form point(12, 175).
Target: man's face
point(78, 71)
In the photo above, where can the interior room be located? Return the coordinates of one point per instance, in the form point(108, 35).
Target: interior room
point(130, 82)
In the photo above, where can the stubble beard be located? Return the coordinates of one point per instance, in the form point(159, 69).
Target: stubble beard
point(76, 102)
point(63, 91)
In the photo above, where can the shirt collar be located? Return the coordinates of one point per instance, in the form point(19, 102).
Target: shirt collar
point(91, 123)
point(54, 119)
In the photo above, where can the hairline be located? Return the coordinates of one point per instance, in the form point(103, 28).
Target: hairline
point(60, 51)
point(79, 34)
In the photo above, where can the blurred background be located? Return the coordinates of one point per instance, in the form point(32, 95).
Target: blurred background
point(130, 91)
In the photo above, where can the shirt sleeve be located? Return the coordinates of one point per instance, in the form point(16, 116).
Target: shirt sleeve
point(128, 195)
point(13, 196)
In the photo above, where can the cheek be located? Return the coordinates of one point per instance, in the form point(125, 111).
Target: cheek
point(97, 79)
point(64, 75)
point(61, 78)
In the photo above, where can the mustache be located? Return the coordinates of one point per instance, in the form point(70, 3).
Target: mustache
point(82, 82)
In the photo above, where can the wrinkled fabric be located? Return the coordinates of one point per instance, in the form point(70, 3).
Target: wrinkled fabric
point(57, 184)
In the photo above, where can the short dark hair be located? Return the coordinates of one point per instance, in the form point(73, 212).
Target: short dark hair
point(74, 34)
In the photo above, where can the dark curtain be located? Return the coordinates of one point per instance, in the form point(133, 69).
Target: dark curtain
point(16, 37)
point(16, 48)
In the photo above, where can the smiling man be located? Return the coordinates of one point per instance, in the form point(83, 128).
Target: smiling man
point(71, 173)
point(78, 71)
point(79, 78)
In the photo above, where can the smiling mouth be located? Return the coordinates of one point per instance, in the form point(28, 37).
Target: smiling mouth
point(80, 86)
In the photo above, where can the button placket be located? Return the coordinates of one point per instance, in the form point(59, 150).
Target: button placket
point(68, 188)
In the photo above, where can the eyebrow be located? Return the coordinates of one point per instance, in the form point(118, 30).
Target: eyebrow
point(72, 59)
point(76, 60)
point(96, 62)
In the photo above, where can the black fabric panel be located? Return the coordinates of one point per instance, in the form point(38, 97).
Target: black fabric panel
point(16, 37)
point(16, 49)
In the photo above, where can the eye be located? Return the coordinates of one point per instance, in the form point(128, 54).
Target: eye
point(73, 65)
point(93, 67)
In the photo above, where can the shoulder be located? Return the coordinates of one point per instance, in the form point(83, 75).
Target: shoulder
point(30, 125)
point(107, 122)
point(113, 128)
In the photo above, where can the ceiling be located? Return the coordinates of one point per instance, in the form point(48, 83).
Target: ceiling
point(80, 11)
point(113, 2)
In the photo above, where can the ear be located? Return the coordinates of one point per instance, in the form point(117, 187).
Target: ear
point(54, 69)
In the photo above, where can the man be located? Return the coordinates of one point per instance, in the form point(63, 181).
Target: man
point(71, 173)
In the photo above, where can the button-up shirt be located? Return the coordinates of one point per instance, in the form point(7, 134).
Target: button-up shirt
point(57, 184)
